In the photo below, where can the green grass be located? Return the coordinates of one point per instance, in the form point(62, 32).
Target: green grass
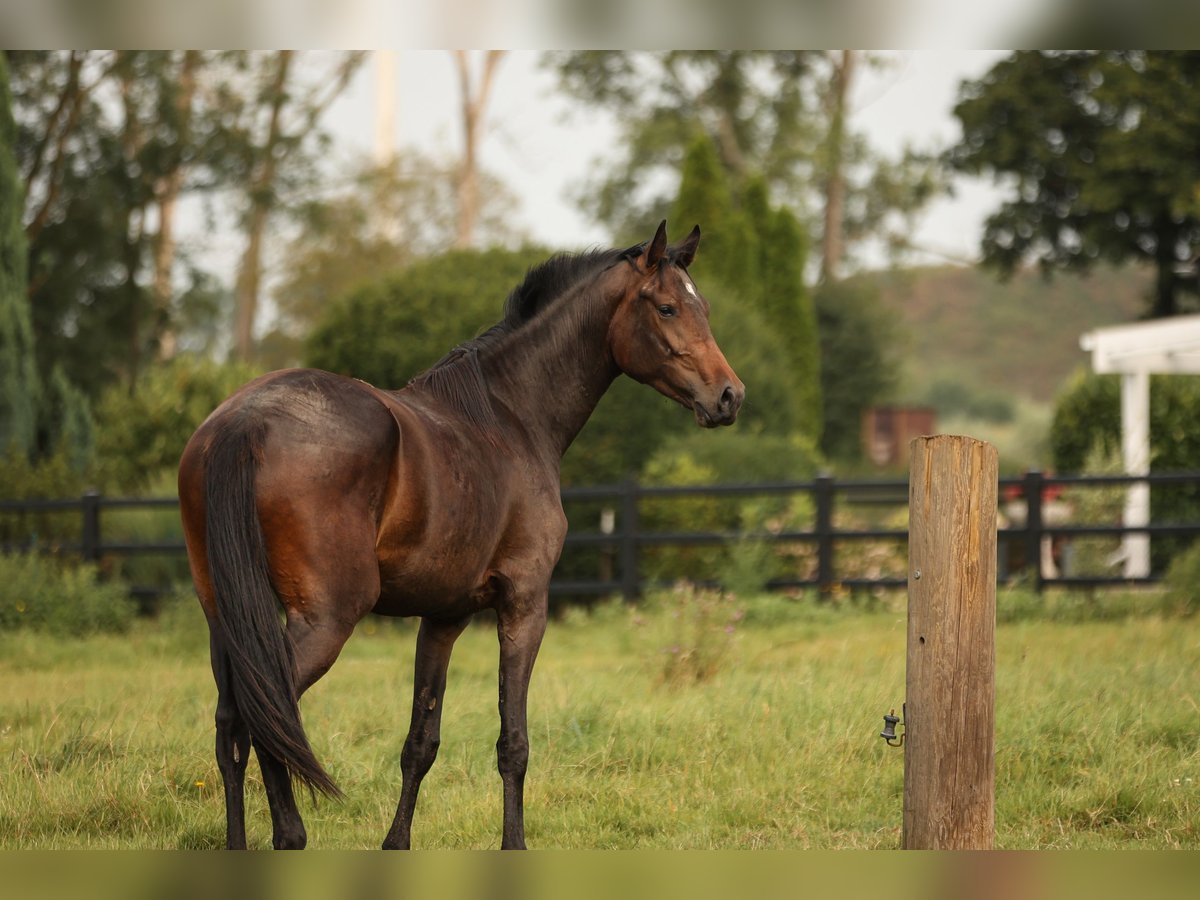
point(107, 741)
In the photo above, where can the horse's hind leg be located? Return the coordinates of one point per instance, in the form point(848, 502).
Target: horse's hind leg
point(435, 640)
point(232, 745)
point(316, 647)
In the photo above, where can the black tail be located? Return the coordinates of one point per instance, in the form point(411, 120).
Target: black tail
point(260, 651)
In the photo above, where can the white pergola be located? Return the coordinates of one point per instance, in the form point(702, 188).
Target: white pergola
point(1135, 352)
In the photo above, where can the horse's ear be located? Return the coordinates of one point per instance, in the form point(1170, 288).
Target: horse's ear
point(687, 250)
point(658, 246)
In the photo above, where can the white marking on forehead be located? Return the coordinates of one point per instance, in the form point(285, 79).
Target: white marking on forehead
point(690, 288)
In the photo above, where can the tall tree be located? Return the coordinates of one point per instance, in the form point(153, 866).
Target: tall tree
point(274, 136)
point(755, 254)
point(780, 115)
point(107, 144)
point(371, 223)
point(473, 100)
point(1102, 150)
point(18, 374)
point(836, 110)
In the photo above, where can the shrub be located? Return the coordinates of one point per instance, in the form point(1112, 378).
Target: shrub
point(45, 594)
point(1183, 583)
point(1088, 416)
point(142, 435)
point(52, 478)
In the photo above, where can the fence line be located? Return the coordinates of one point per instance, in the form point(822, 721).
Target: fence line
point(625, 537)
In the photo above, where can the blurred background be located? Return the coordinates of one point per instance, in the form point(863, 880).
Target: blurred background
point(895, 243)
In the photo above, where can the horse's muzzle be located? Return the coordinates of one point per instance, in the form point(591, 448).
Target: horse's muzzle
point(724, 411)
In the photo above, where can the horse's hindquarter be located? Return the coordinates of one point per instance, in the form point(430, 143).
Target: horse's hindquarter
point(464, 519)
point(323, 463)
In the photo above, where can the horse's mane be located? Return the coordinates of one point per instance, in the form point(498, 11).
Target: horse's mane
point(457, 378)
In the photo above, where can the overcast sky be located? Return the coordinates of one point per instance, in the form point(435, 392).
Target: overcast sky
point(541, 146)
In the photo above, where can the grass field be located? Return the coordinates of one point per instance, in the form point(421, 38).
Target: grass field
point(107, 741)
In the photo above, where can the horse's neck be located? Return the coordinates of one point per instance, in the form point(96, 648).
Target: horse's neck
point(553, 372)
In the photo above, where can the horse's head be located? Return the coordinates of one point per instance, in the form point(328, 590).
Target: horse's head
point(660, 334)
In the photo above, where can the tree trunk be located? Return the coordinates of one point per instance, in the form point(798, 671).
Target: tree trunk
point(261, 183)
point(167, 193)
point(132, 142)
point(473, 105)
point(1165, 278)
point(832, 247)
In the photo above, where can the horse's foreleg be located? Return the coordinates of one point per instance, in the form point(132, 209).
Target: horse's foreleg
point(520, 631)
point(232, 747)
point(435, 641)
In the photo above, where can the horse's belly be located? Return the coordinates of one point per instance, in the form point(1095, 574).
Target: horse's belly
point(434, 584)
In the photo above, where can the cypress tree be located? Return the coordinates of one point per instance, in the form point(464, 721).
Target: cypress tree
point(18, 374)
point(705, 199)
point(789, 305)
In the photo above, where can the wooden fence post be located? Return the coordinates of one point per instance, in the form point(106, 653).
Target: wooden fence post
point(949, 771)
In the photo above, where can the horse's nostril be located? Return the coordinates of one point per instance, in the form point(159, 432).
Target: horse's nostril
point(728, 398)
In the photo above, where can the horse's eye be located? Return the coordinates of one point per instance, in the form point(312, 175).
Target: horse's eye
point(666, 311)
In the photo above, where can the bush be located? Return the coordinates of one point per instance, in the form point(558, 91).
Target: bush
point(44, 594)
point(1087, 418)
point(1183, 583)
point(52, 478)
point(142, 435)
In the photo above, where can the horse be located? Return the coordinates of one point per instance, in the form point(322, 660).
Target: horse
point(311, 499)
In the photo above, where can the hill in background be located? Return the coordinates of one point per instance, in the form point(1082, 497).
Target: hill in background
point(965, 326)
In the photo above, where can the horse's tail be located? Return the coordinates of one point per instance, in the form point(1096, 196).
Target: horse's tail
point(260, 652)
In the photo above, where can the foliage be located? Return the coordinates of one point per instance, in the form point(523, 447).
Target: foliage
point(1100, 148)
point(859, 360)
point(49, 478)
point(143, 434)
point(1095, 505)
point(381, 219)
point(790, 308)
point(18, 376)
point(44, 594)
point(1087, 418)
point(97, 139)
point(108, 144)
point(768, 114)
point(388, 330)
point(754, 255)
point(1183, 582)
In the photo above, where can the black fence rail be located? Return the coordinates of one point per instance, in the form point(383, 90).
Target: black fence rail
point(1027, 536)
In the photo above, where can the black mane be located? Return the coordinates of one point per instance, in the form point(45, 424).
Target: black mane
point(457, 378)
point(547, 281)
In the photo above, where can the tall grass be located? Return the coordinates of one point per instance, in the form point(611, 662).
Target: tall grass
point(107, 741)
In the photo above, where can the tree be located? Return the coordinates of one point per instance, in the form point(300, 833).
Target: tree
point(379, 220)
point(778, 115)
point(858, 360)
point(107, 144)
point(18, 374)
point(473, 99)
point(274, 127)
point(1103, 152)
point(755, 255)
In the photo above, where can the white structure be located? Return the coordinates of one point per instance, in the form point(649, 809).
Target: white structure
point(1135, 352)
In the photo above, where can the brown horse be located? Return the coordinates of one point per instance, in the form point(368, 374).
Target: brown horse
point(329, 499)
